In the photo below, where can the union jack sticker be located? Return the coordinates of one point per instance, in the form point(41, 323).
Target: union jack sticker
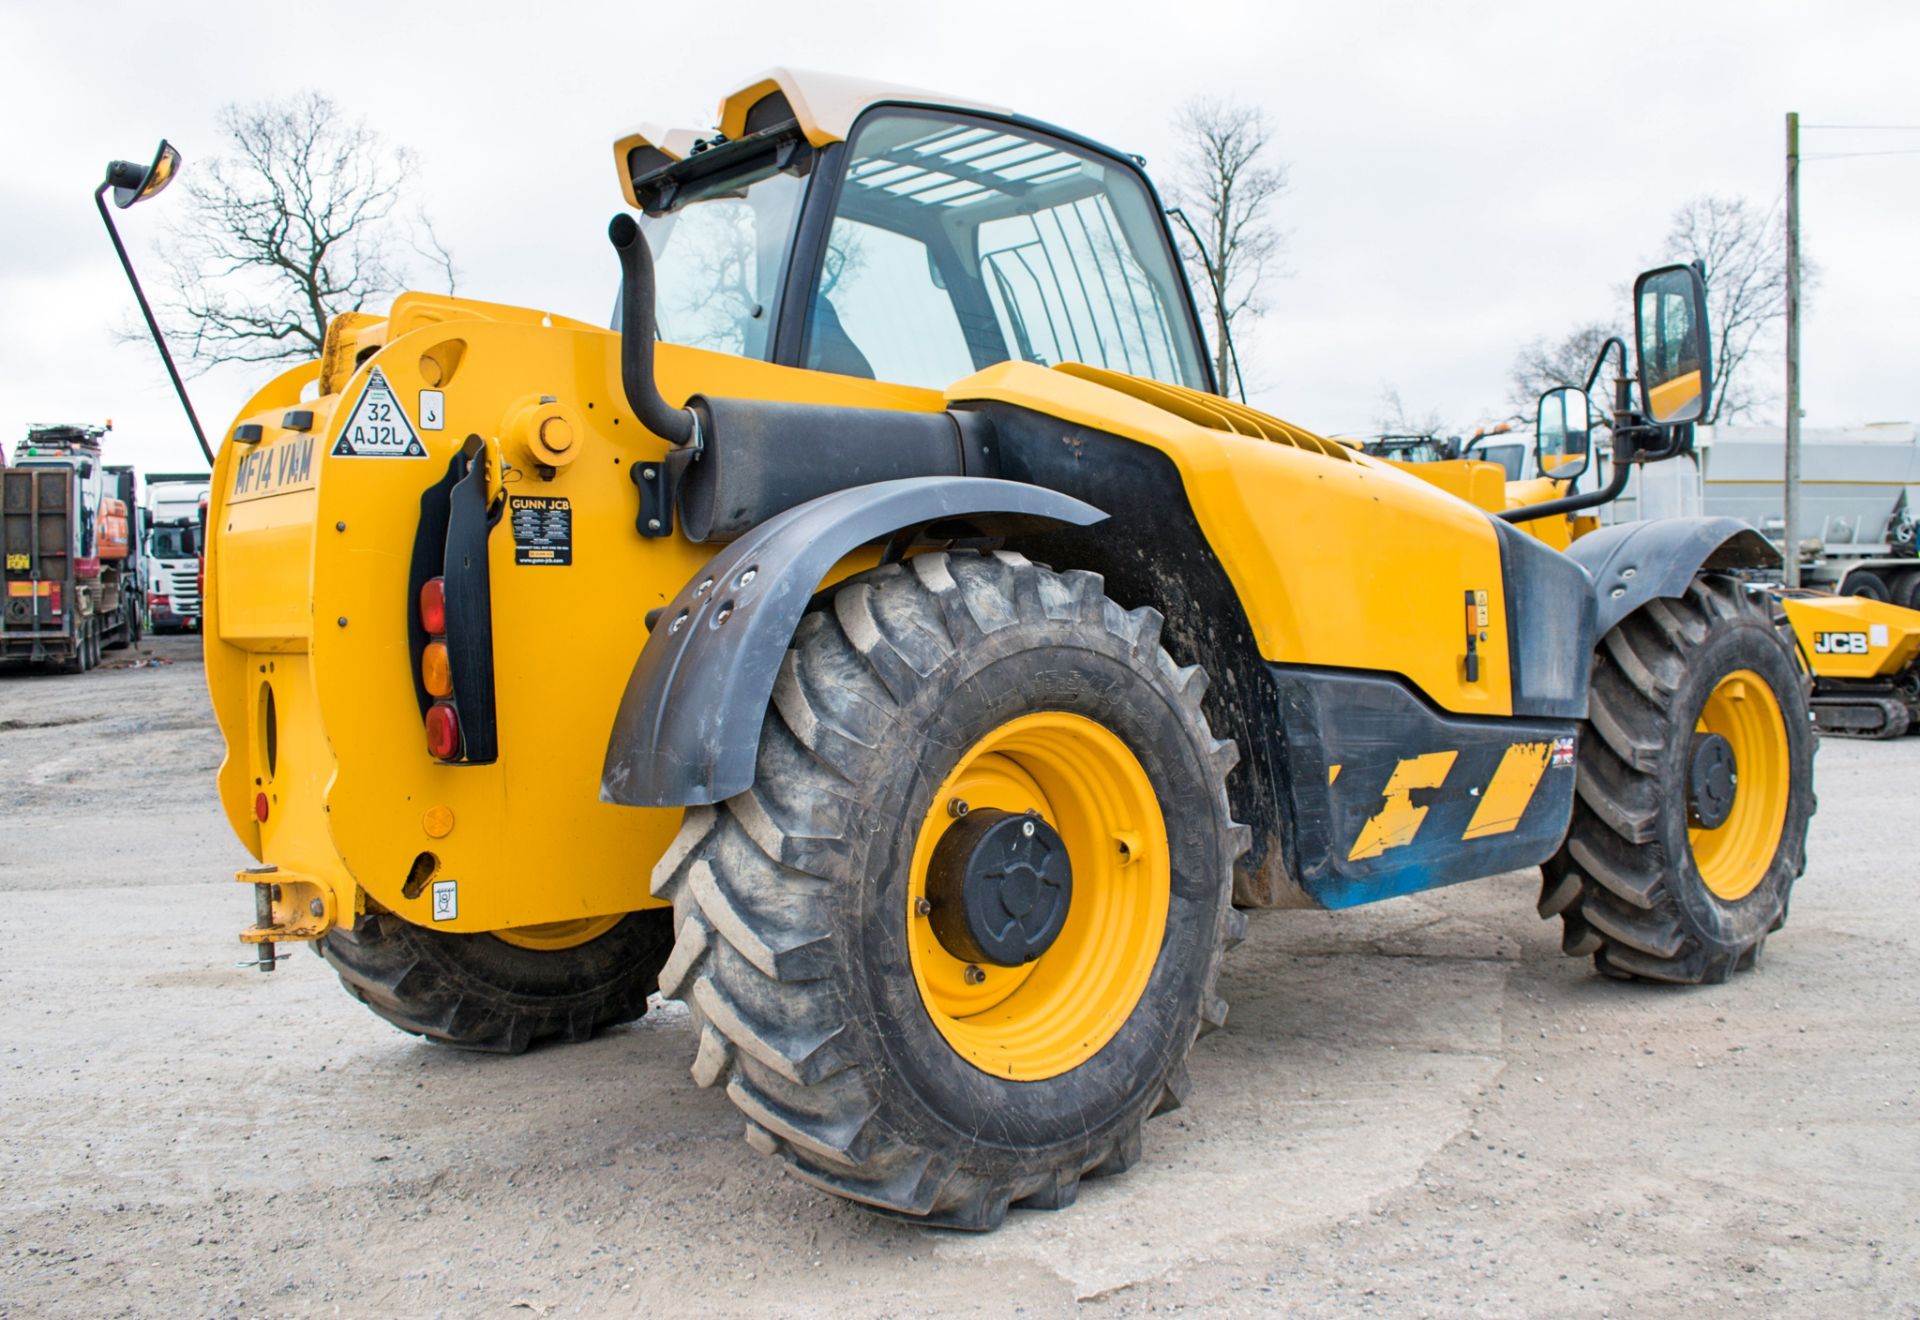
point(1562, 753)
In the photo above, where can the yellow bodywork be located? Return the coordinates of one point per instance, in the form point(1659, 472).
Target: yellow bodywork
point(1339, 560)
point(1853, 637)
point(307, 584)
point(306, 594)
point(1485, 486)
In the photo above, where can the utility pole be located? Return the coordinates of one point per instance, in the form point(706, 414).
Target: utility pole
point(1791, 549)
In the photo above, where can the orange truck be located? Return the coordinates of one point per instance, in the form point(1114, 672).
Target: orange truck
point(71, 567)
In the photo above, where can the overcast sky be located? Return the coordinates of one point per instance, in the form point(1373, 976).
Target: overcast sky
point(1464, 176)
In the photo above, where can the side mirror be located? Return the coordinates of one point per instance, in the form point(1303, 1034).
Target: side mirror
point(131, 183)
point(1563, 433)
point(1676, 351)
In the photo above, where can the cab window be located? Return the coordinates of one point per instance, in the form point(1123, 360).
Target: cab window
point(720, 255)
point(959, 243)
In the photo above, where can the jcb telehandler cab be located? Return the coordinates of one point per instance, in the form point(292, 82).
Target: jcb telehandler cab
point(916, 666)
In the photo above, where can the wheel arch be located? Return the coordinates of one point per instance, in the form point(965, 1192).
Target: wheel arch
point(1164, 559)
point(688, 726)
point(1634, 563)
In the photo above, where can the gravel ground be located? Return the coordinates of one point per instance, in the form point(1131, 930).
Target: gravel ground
point(1419, 1108)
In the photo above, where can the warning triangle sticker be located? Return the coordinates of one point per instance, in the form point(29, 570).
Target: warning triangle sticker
point(378, 426)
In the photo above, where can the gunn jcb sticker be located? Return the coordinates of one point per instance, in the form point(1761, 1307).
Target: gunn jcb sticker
point(542, 529)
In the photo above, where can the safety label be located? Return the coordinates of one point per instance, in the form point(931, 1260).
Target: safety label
point(446, 900)
point(378, 426)
point(542, 529)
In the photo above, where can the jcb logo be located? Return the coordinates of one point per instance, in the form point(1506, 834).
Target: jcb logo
point(1840, 643)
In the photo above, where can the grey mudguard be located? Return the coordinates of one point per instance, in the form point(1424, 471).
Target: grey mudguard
point(1634, 563)
point(689, 724)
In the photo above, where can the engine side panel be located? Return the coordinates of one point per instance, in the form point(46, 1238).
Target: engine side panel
point(1339, 561)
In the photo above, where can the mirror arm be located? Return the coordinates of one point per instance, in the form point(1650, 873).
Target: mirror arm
point(1610, 491)
point(1613, 344)
point(153, 326)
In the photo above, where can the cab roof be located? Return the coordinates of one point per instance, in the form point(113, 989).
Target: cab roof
point(825, 106)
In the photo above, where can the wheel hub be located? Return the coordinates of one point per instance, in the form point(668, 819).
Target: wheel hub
point(1712, 778)
point(1000, 884)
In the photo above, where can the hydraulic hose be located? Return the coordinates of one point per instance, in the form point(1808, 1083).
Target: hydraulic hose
point(676, 425)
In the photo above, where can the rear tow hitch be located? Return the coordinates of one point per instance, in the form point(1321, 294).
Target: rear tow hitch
point(287, 909)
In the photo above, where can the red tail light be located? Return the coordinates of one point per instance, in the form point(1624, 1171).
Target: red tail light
point(433, 606)
point(443, 731)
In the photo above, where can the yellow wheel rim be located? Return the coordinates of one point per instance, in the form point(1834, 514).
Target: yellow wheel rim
point(1053, 1014)
point(553, 935)
point(1734, 857)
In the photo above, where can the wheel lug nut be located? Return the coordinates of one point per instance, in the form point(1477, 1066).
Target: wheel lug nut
point(957, 807)
point(974, 975)
point(921, 907)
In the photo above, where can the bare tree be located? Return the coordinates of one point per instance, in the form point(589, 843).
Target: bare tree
point(1395, 418)
point(1744, 255)
point(1547, 364)
point(1225, 189)
point(305, 219)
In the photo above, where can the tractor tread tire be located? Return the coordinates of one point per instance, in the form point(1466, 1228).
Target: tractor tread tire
point(474, 992)
point(1616, 883)
point(762, 885)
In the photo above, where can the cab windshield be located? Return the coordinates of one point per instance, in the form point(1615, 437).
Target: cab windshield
point(171, 543)
point(959, 243)
point(955, 243)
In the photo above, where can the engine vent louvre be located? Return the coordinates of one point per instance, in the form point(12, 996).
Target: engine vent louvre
point(1210, 410)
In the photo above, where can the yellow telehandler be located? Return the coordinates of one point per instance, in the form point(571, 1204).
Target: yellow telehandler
point(888, 641)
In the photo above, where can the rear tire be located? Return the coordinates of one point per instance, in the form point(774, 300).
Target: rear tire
point(1866, 584)
point(1639, 883)
point(798, 950)
point(127, 634)
point(85, 647)
point(477, 992)
point(1906, 589)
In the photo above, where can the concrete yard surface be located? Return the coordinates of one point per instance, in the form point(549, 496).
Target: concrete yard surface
point(1421, 1108)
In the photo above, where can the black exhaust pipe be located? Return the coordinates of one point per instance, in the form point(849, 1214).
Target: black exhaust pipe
point(759, 457)
point(676, 425)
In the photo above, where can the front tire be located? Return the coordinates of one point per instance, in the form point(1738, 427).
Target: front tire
point(869, 1057)
point(1683, 850)
point(500, 995)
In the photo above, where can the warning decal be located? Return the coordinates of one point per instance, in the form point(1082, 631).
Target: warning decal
point(542, 529)
point(378, 426)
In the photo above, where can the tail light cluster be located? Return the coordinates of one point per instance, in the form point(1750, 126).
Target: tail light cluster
point(436, 673)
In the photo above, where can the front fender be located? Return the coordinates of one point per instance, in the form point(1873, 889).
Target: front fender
point(688, 728)
point(1633, 563)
